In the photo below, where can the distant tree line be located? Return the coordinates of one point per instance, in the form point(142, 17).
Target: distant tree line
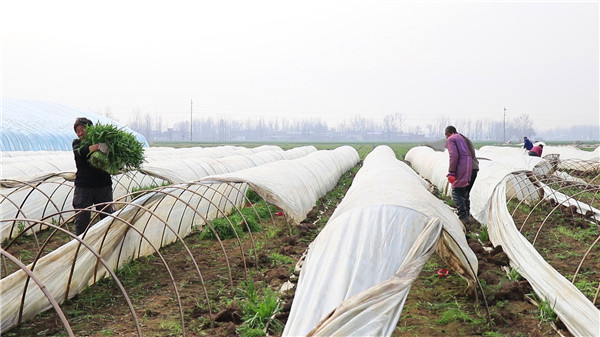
point(392, 128)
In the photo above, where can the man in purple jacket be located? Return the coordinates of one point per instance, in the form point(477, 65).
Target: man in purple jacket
point(462, 170)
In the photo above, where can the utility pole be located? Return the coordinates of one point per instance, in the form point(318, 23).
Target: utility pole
point(191, 120)
point(504, 126)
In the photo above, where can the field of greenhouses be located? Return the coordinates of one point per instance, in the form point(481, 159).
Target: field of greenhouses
point(305, 240)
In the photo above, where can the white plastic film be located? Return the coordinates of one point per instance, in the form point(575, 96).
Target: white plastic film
point(362, 263)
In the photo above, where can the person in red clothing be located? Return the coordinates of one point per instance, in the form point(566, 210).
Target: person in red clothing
point(462, 170)
point(92, 185)
point(536, 151)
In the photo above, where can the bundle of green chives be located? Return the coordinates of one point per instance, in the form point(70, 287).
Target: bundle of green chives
point(124, 151)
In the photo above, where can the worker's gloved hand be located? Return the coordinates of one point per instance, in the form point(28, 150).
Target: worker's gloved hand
point(451, 177)
point(103, 147)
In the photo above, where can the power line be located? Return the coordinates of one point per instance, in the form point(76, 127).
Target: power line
point(504, 126)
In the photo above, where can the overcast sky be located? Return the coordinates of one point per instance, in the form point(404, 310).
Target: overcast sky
point(323, 59)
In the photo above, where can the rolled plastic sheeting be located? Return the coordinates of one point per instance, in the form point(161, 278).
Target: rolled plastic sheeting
point(571, 152)
point(566, 157)
point(193, 168)
point(511, 157)
point(14, 154)
point(568, 177)
point(578, 313)
point(359, 269)
point(23, 165)
point(488, 206)
point(573, 159)
point(295, 185)
point(568, 201)
point(164, 153)
point(32, 163)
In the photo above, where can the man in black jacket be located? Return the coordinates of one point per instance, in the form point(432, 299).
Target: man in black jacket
point(92, 185)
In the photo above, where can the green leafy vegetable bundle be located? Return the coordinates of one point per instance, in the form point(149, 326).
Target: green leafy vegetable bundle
point(124, 151)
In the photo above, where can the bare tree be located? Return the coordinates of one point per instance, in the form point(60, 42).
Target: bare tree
point(135, 122)
point(359, 126)
point(343, 128)
point(440, 125)
point(524, 125)
point(222, 130)
point(388, 126)
point(398, 122)
point(147, 125)
point(158, 124)
point(415, 129)
point(465, 125)
point(183, 127)
point(392, 125)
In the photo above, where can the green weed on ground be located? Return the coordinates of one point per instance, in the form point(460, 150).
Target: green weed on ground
point(545, 309)
point(580, 234)
point(244, 220)
point(258, 310)
point(514, 275)
point(588, 288)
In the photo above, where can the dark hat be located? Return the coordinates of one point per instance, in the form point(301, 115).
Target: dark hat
point(82, 121)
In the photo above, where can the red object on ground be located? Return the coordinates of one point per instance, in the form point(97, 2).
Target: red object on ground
point(443, 272)
point(279, 213)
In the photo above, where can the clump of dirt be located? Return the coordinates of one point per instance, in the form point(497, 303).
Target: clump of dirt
point(512, 291)
point(230, 314)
